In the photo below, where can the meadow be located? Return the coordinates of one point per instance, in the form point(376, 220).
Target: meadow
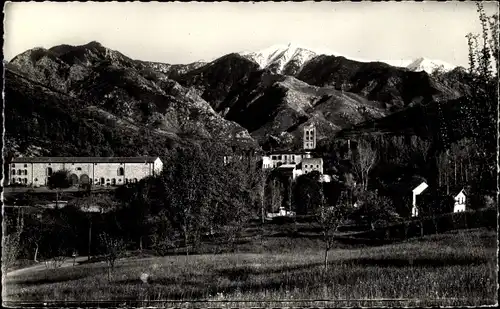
point(454, 268)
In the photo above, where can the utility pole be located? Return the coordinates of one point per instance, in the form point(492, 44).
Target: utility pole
point(90, 222)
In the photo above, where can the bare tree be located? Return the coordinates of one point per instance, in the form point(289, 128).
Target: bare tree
point(366, 158)
point(420, 147)
point(329, 219)
point(113, 249)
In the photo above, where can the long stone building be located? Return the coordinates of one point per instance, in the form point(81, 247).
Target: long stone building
point(97, 171)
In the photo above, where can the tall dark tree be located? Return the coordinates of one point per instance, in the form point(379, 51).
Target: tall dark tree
point(307, 193)
point(58, 181)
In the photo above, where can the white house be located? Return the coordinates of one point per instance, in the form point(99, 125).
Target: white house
point(277, 159)
point(460, 200)
point(97, 171)
point(417, 191)
point(312, 164)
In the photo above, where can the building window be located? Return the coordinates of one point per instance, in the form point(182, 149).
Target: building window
point(49, 163)
point(102, 180)
point(25, 165)
point(135, 179)
point(317, 166)
point(78, 168)
point(119, 180)
point(107, 180)
point(113, 181)
point(25, 180)
point(121, 171)
point(13, 172)
point(19, 172)
point(49, 171)
point(13, 165)
point(25, 172)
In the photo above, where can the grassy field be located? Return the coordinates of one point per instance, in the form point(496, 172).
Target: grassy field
point(456, 268)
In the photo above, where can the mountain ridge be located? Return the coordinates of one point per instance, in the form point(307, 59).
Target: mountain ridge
point(281, 56)
point(233, 96)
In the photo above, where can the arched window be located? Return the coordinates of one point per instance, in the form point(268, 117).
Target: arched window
point(49, 171)
point(113, 181)
point(13, 172)
point(25, 172)
point(19, 172)
point(121, 171)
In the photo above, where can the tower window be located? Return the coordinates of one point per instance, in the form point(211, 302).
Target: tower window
point(49, 171)
point(78, 168)
point(121, 171)
point(25, 165)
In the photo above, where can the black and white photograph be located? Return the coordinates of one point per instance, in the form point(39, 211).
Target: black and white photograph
point(250, 154)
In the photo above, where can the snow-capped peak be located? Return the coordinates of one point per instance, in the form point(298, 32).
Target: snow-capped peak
point(279, 56)
point(429, 65)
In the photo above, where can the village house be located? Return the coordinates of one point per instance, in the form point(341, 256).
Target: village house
point(417, 191)
point(97, 171)
point(297, 163)
point(460, 201)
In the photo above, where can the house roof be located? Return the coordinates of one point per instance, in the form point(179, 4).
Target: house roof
point(420, 188)
point(287, 152)
point(312, 160)
point(84, 159)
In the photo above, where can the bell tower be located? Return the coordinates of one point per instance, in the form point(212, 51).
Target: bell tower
point(309, 137)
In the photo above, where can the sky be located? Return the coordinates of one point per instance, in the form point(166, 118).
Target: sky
point(179, 32)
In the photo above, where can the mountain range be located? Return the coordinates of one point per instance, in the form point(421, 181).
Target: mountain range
point(290, 58)
point(73, 93)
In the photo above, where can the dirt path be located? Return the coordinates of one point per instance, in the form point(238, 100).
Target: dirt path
point(41, 266)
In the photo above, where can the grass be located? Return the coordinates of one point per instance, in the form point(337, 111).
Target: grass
point(457, 268)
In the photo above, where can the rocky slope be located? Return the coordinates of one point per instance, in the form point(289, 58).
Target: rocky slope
point(237, 96)
point(107, 84)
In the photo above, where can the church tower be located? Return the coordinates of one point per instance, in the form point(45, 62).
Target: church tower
point(309, 137)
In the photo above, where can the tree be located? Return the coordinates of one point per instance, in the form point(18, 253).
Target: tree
point(375, 209)
point(329, 219)
point(135, 211)
point(113, 248)
point(307, 193)
point(364, 161)
point(58, 181)
point(482, 111)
